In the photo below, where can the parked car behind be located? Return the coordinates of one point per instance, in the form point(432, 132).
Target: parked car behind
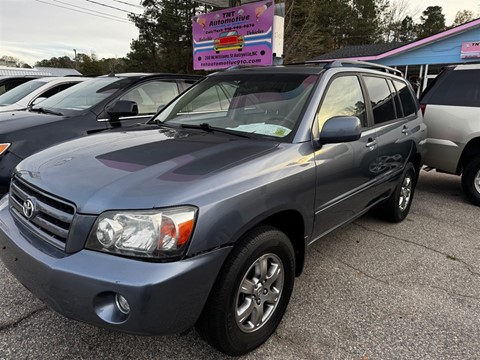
point(92, 106)
point(7, 83)
point(35, 91)
point(204, 215)
point(451, 110)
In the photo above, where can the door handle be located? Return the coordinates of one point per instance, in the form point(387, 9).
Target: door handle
point(405, 130)
point(371, 143)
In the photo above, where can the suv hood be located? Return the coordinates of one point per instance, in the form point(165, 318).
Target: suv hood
point(138, 169)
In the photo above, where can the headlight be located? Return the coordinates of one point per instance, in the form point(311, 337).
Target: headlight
point(4, 147)
point(161, 234)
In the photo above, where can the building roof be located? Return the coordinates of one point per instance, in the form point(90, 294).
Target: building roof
point(59, 71)
point(358, 51)
point(401, 48)
point(40, 71)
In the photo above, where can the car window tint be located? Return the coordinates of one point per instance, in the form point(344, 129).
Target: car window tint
point(85, 94)
point(408, 103)
point(216, 98)
point(460, 88)
point(344, 97)
point(20, 92)
point(381, 99)
point(56, 89)
point(398, 105)
point(152, 96)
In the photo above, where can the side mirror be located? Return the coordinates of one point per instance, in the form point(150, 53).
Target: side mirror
point(122, 108)
point(340, 129)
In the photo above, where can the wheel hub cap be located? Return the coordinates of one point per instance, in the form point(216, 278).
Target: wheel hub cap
point(259, 293)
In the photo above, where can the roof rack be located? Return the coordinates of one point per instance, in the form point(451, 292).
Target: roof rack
point(356, 63)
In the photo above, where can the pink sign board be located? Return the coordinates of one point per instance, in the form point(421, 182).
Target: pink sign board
point(470, 50)
point(236, 36)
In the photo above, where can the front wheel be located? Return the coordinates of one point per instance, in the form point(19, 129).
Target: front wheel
point(251, 293)
point(397, 207)
point(471, 180)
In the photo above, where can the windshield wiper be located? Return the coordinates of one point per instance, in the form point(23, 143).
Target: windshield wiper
point(206, 127)
point(46, 111)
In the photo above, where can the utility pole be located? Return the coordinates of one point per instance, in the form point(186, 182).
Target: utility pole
point(75, 58)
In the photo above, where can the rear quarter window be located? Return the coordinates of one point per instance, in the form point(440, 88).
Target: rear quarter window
point(458, 88)
point(409, 105)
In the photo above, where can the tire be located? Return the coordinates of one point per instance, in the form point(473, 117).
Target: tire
point(471, 180)
point(397, 207)
point(230, 320)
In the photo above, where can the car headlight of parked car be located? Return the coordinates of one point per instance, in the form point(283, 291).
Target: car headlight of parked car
point(4, 147)
point(160, 233)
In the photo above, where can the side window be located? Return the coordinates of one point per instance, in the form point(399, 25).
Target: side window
point(406, 97)
point(56, 89)
point(344, 97)
point(381, 99)
point(216, 98)
point(152, 95)
point(459, 88)
point(398, 105)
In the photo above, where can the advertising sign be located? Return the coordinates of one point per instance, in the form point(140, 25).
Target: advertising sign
point(240, 35)
point(470, 50)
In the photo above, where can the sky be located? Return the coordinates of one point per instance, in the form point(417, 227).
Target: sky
point(33, 30)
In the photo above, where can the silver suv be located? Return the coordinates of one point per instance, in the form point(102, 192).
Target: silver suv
point(451, 109)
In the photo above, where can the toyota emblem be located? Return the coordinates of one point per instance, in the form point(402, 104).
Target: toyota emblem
point(29, 208)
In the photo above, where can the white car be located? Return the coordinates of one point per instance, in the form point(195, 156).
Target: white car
point(35, 91)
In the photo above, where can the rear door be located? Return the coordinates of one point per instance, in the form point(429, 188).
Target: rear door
point(393, 131)
point(344, 183)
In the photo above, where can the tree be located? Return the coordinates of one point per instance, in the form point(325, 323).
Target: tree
point(302, 29)
point(89, 65)
point(394, 22)
point(60, 62)
point(407, 30)
point(316, 27)
point(432, 22)
point(165, 39)
point(462, 17)
point(365, 21)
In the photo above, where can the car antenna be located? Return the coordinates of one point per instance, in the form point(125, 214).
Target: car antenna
point(111, 74)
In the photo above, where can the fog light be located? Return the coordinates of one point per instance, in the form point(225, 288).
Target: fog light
point(122, 304)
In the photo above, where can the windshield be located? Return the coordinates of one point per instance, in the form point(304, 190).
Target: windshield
point(261, 104)
point(85, 94)
point(19, 92)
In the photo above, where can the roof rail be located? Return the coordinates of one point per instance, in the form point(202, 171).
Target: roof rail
point(363, 64)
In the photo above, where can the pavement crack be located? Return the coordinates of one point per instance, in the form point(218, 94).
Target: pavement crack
point(21, 319)
point(453, 293)
point(354, 268)
point(361, 272)
point(448, 256)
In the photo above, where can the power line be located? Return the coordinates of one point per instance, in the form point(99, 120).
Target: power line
point(126, 3)
point(110, 6)
point(84, 12)
point(95, 11)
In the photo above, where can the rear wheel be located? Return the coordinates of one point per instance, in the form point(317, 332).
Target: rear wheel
point(397, 207)
point(251, 293)
point(471, 180)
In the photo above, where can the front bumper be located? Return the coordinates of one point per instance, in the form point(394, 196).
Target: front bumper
point(164, 298)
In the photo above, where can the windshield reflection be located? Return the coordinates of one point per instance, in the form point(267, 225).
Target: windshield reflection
point(262, 104)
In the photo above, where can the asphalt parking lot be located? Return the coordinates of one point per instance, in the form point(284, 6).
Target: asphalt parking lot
point(371, 290)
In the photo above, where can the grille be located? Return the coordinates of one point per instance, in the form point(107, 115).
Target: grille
point(50, 218)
